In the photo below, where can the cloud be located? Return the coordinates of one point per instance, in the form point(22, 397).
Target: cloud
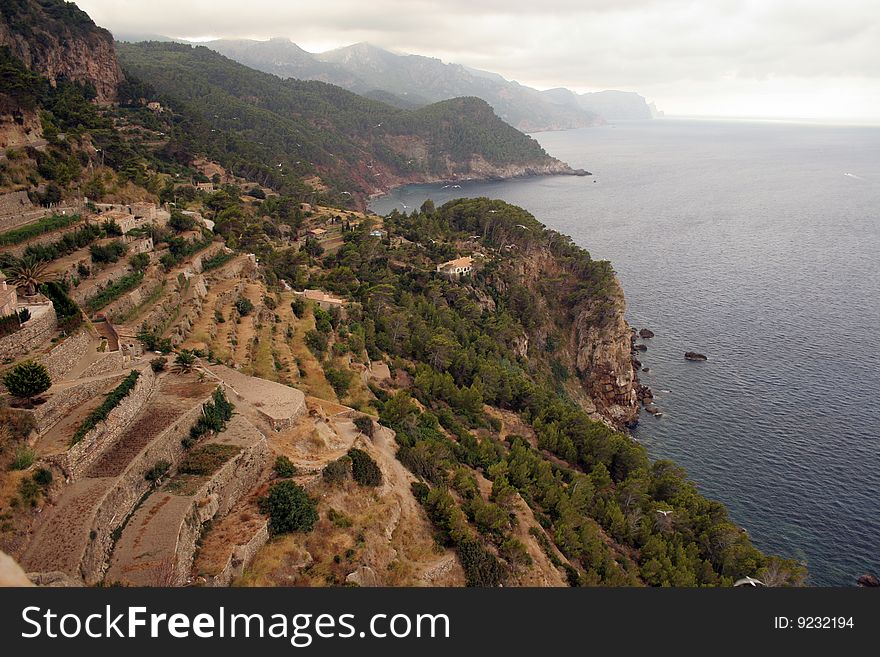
point(671, 47)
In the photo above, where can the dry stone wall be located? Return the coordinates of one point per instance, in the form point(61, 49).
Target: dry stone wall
point(76, 460)
point(128, 490)
point(64, 401)
point(64, 356)
point(106, 363)
point(240, 558)
point(225, 488)
point(35, 332)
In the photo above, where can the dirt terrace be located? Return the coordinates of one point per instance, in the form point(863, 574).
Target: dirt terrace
point(159, 540)
point(63, 535)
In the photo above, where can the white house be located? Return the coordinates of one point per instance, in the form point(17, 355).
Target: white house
point(455, 268)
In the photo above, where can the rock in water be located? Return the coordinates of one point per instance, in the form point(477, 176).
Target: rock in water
point(868, 581)
point(646, 334)
point(693, 355)
point(640, 347)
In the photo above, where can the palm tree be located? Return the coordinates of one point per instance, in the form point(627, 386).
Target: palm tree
point(28, 272)
point(185, 360)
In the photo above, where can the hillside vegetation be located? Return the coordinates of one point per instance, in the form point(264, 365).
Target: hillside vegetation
point(253, 122)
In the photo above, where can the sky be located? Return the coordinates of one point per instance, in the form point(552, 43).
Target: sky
point(813, 59)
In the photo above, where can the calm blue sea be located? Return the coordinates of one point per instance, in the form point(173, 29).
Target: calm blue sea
point(758, 244)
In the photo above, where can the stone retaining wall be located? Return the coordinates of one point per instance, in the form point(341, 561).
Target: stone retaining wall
point(65, 400)
point(225, 488)
point(64, 356)
point(106, 363)
point(37, 330)
point(241, 557)
point(76, 460)
point(129, 488)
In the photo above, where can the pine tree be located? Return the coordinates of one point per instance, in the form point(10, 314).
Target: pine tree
point(27, 380)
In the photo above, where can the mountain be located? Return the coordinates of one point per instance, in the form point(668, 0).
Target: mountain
point(58, 40)
point(285, 59)
point(245, 364)
point(273, 130)
point(611, 105)
point(364, 69)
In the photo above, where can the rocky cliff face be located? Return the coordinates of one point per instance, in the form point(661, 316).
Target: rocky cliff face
point(59, 40)
point(603, 356)
point(598, 344)
point(383, 178)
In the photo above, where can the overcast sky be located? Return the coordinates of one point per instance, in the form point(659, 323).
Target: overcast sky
point(760, 58)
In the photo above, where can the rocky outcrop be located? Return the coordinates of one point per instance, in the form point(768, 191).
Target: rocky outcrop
point(58, 40)
point(603, 357)
point(693, 355)
point(868, 580)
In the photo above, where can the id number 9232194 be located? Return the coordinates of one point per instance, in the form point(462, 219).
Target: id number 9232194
point(814, 623)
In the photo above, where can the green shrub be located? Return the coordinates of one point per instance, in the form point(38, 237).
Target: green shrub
point(154, 342)
point(68, 313)
point(111, 401)
point(337, 471)
point(158, 364)
point(364, 469)
point(111, 252)
point(27, 380)
point(139, 261)
point(244, 306)
point(322, 320)
point(115, 290)
point(284, 467)
point(289, 507)
point(43, 476)
point(365, 425)
point(46, 225)
point(339, 519)
point(207, 459)
point(339, 379)
point(185, 360)
point(9, 324)
point(481, 567)
point(420, 491)
point(180, 222)
point(24, 458)
point(217, 260)
point(316, 342)
point(157, 471)
point(215, 415)
point(298, 306)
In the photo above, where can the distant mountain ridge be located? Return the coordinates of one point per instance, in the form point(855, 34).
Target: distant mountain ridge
point(412, 80)
point(274, 130)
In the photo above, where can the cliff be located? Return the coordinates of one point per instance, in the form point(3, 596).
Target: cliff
point(603, 347)
point(595, 339)
point(58, 40)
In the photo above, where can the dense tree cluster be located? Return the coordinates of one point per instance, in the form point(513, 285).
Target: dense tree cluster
point(594, 491)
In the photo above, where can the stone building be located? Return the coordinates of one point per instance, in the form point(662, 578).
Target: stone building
point(8, 297)
point(456, 268)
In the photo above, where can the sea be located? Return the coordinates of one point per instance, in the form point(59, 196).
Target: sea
point(756, 243)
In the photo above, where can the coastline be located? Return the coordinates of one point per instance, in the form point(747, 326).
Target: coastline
point(513, 173)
